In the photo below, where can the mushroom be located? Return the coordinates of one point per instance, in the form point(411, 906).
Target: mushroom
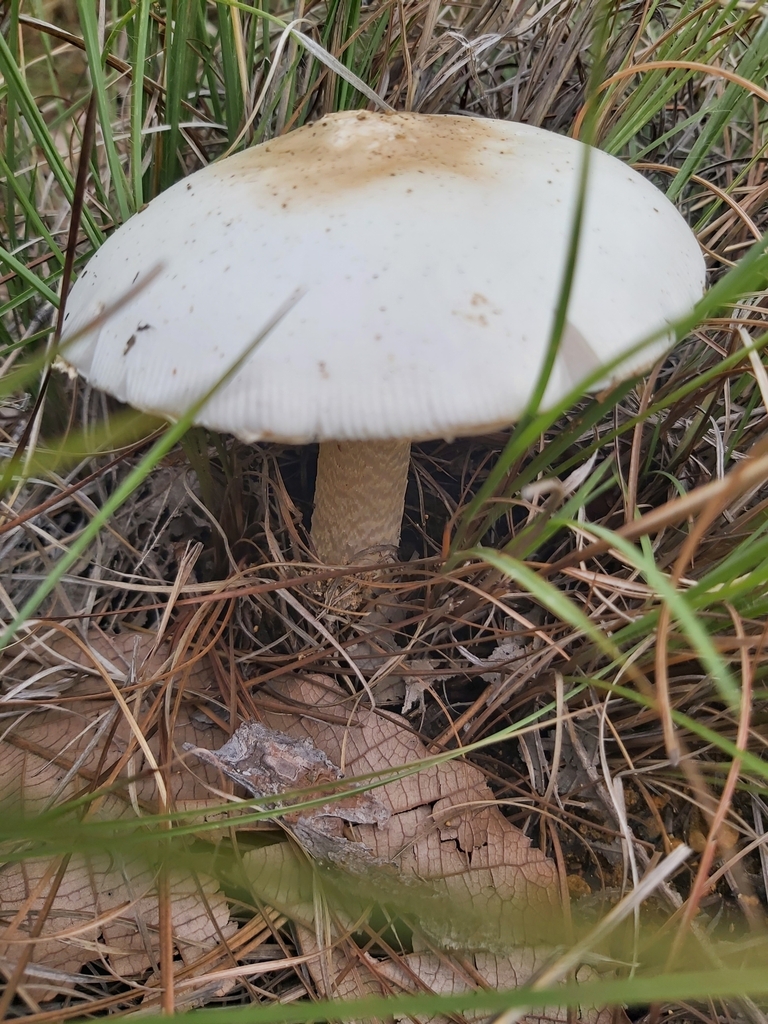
point(430, 250)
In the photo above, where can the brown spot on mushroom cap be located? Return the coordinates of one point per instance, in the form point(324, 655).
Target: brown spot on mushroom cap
point(353, 152)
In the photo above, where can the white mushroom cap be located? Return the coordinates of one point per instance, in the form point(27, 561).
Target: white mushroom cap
point(430, 250)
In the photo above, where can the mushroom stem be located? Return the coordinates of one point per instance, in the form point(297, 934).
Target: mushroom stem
point(359, 499)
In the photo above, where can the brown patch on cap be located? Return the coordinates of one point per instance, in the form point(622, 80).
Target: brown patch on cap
point(345, 151)
point(475, 316)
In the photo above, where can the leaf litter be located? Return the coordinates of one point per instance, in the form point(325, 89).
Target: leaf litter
point(59, 747)
point(431, 846)
point(480, 897)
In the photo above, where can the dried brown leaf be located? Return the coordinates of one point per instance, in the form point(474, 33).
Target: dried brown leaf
point(465, 877)
point(108, 912)
point(71, 741)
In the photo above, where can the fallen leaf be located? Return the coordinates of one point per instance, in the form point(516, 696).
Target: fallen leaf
point(469, 882)
point(72, 739)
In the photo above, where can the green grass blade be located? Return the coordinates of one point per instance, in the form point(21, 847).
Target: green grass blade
point(753, 67)
point(23, 98)
point(29, 276)
point(179, 70)
point(161, 447)
point(90, 29)
point(679, 609)
point(233, 89)
point(9, 128)
point(548, 595)
point(34, 222)
point(140, 38)
point(636, 991)
point(750, 762)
